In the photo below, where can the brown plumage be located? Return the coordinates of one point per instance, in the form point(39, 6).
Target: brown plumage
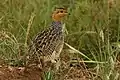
point(48, 44)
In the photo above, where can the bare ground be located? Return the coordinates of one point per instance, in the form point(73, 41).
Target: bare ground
point(14, 73)
point(67, 71)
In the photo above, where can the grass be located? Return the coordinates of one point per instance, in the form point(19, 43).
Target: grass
point(93, 30)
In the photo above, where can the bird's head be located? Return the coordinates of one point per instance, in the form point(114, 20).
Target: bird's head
point(59, 13)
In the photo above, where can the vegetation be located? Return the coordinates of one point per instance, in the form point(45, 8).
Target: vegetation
point(93, 30)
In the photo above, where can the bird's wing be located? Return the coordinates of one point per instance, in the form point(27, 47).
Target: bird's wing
point(46, 42)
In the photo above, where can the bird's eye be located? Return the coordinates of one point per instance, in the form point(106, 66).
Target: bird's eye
point(61, 11)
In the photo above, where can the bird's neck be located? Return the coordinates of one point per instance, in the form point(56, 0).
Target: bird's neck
point(57, 24)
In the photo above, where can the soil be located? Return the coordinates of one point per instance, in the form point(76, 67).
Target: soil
point(16, 73)
point(67, 71)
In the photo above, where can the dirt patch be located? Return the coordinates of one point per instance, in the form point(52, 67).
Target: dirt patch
point(15, 73)
point(67, 71)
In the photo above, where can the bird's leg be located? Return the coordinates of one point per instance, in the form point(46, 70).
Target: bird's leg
point(53, 57)
point(58, 63)
point(50, 58)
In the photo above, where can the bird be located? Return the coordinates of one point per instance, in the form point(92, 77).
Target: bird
point(48, 44)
